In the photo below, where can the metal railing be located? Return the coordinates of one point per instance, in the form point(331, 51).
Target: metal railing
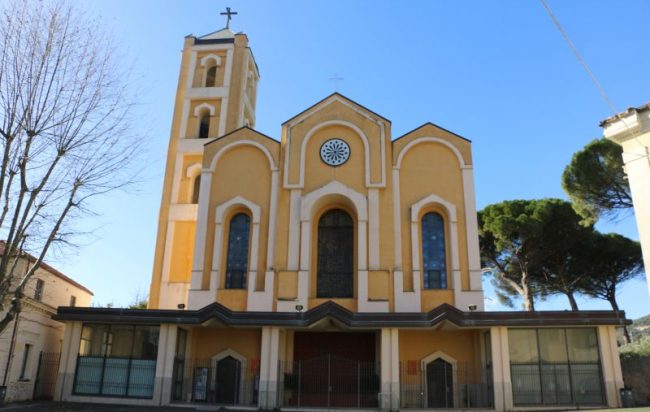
point(442, 385)
point(226, 381)
point(568, 383)
point(328, 381)
point(113, 376)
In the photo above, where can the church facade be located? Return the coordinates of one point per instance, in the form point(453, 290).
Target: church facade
point(334, 267)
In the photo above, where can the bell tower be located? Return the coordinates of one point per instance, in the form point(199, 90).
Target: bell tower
point(216, 94)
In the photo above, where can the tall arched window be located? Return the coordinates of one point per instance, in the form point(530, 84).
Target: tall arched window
point(204, 126)
point(238, 240)
point(335, 274)
point(195, 189)
point(433, 251)
point(211, 77)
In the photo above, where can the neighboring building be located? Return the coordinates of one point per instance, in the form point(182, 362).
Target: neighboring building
point(631, 129)
point(333, 267)
point(35, 332)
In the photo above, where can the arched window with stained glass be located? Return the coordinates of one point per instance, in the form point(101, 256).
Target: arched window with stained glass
point(434, 267)
point(237, 257)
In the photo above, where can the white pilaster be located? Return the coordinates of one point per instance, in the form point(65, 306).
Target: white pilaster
point(293, 252)
point(269, 356)
point(611, 365)
point(389, 399)
point(68, 361)
point(373, 229)
point(501, 369)
point(201, 230)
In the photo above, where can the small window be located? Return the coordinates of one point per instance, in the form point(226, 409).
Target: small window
point(211, 77)
point(195, 190)
point(38, 291)
point(204, 126)
point(433, 252)
point(73, 300)
point(23, 366)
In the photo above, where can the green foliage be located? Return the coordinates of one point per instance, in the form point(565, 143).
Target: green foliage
point(596, 182)
point(516, 240)
point(537, 248)
point(614, 259)
point(141, 304)
point(636, 349)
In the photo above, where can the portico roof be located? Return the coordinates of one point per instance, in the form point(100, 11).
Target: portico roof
point(332, 310)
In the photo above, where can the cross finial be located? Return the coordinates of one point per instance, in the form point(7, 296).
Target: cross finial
point(228, 15)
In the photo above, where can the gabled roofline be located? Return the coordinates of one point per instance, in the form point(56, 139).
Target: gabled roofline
point(331, 310)
point(434, 125)
point(237, 130)
point(32, 259)
point(329, 97)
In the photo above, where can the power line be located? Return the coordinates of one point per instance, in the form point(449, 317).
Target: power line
point(590, 73)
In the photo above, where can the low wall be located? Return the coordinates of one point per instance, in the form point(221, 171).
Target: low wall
point(636, 373)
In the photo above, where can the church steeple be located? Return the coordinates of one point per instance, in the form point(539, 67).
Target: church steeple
point(216, 94)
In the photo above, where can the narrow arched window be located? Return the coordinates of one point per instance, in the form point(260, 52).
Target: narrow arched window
point(237, 262)
point(211, 77)
point(433, 251)
point(335, 274)
point(204, 126)
point(195, 189)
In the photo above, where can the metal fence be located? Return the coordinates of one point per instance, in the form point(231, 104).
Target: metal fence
point(225, 381)
point(329, 381)
point(557, 384)
point(442, 385)
point(45, 383)
point(113, 376)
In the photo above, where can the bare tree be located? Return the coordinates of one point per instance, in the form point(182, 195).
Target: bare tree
point(65, 132)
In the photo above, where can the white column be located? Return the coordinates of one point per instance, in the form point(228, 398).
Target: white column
point(165, 364)
point(269, 358)
point(611, 365)
point(68, 362)
point(501, 369)
point(389, 398)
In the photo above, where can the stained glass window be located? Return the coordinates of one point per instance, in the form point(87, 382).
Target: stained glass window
point(335, 255)
point(433, 251)
point(237, 263)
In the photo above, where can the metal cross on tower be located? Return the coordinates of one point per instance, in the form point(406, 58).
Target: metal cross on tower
point(229, 15)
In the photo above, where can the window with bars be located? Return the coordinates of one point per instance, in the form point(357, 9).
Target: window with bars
point(117, 360)
point(555, 366)
point(237, 257)
point(434, 267)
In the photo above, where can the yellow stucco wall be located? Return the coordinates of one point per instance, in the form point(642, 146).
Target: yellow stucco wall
point(208, 342)
point(243, 164)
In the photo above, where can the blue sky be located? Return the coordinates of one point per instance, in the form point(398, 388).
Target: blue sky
point(496, 72)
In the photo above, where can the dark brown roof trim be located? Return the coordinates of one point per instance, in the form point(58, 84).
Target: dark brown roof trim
point(335, 94)
point(214, 41)
point(434, 125)
point(336, 312)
